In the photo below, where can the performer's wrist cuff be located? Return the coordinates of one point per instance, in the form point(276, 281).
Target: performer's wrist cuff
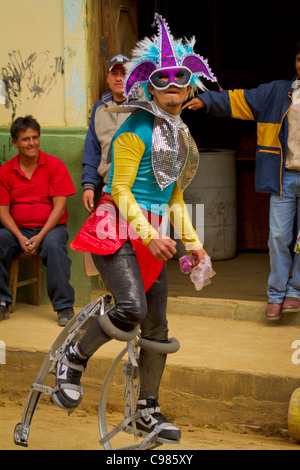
point(193, 246)
point(152, 235)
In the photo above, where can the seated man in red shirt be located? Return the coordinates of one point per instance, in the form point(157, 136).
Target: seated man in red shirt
point(34, 188)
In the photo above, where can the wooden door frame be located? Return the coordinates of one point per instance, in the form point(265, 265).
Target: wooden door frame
point(101, 45)
point(95, 50)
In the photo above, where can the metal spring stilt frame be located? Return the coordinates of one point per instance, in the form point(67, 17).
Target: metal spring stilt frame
point(128, 425)
point(71, 334)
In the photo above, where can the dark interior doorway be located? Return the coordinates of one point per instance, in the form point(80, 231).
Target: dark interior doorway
point(246, 45)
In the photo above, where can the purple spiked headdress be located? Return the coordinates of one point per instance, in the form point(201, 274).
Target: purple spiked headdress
point(164, 54)
point(167, 56)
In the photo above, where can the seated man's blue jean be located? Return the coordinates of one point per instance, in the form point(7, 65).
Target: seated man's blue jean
point(284, 279)
point(54, 254)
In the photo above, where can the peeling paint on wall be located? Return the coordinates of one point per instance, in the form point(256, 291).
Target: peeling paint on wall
point(72, 12)
point(2, 92)
point(75, 93)
point(30, 78)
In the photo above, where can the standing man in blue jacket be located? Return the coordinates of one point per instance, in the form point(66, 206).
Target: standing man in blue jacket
point(101, 131)
point(276, 109)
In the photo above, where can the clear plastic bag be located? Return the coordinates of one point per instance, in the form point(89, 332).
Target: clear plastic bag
point(201, 274)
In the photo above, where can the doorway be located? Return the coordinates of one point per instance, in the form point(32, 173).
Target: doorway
point(112, 29)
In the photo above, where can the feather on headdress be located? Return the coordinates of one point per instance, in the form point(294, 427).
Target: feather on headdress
point(163, 52)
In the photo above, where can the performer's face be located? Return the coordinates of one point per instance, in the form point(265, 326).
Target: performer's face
point(171, 99)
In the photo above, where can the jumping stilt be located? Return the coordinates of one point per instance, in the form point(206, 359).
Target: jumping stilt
point(69, 336)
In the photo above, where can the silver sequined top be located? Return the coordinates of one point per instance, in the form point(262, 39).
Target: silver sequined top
point(175, 155)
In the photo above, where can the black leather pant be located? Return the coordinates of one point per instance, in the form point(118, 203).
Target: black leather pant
point(121, 275)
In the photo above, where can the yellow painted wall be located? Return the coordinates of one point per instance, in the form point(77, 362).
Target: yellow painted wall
point(43, 61)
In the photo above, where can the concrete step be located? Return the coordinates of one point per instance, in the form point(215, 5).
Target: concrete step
point(229, 372)
point(228, 309)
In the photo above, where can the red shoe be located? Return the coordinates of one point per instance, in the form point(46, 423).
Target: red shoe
point(291, 305)
point(273, 311)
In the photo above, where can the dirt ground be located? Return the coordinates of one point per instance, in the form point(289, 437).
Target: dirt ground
point(53, 429)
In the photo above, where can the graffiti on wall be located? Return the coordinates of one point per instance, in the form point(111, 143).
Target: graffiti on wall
point(28, 79)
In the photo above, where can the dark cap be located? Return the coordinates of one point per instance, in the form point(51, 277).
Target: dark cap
point(117, 59)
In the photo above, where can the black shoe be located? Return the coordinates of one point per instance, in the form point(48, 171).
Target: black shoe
point(64, 316)
point(4, 313)
point(68, 393)
point(154, 418)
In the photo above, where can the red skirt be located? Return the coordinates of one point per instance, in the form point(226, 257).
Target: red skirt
point(105, 231)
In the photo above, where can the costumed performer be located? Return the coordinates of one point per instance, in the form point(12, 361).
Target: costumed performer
point(154, 158)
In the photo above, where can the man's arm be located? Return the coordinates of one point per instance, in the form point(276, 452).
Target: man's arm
point(91, 161)
point(213, 102)
point(8, 222)
point(236, 104)
point(194, 104)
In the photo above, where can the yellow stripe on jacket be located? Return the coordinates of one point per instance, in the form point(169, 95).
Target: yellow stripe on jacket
point(267, 135)
point(239, 106)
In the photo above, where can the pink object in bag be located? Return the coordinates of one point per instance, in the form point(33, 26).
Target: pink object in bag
point(201, 274)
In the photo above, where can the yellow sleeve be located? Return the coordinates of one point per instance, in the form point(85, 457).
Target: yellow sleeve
point(240, 109)
point(180, 219)
point(128, 152)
